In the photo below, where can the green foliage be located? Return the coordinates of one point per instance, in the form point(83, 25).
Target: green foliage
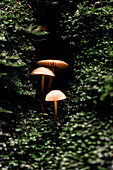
point(88, 33)
point(18, 31)
point(16, 23)
point(107, 88)
point(82, 141)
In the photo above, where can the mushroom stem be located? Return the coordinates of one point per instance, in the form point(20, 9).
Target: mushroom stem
point(42, 85)
point(53, 69)
point(50, 80)
point(55, 105)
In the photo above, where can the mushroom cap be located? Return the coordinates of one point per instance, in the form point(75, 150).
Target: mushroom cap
point(55, 95)
point(53, 63)
point(43, 71)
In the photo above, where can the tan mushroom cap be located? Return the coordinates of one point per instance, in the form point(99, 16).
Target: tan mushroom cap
point(55, 95)
point(53, 63)
point(43, 71)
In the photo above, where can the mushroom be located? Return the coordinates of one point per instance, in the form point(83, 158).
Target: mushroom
point(54, 64)
point(44, 72)
point(55, 95)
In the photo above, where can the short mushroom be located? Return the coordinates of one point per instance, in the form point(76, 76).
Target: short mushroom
point(44, 72)
point(53, 64)
point(55, 95)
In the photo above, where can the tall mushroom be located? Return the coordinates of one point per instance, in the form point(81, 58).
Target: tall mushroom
point(55, 95)
point(44, 72)
point(53, 64)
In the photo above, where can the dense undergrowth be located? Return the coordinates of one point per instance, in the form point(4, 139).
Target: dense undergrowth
point(83, 137)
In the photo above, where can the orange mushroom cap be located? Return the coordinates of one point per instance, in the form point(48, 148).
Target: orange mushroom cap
point(43, 71)
point(53, 63)
point(55, 95)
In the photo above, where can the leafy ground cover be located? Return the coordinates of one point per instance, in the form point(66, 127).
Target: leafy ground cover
point(82, 141)
point(83, 137)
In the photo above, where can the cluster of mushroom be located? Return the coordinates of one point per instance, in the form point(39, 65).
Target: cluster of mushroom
point(54, 95)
